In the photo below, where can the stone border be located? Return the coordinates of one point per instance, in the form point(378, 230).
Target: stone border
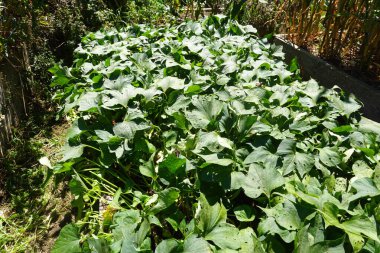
point(328, 76)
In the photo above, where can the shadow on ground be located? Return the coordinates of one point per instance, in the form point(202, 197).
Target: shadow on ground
point(32, 208)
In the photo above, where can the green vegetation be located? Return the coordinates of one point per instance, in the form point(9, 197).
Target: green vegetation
point(199, 138)
point(34, 35)
point(187, 135)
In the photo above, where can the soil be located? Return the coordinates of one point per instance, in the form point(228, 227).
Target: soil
point(59, 212)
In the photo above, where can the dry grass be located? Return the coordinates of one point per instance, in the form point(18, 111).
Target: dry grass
point(346, 31)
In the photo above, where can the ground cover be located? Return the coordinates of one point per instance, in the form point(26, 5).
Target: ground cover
point(33, 208)
point(199, 138)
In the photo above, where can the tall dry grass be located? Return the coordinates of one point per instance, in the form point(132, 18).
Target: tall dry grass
point(344, 30)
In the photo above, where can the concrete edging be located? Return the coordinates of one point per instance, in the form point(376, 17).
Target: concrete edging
point(328, 76)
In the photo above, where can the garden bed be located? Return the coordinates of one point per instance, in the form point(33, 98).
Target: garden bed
point(208, 142)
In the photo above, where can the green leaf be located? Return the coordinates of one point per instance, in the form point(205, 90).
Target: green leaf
point(77, 187)
point(166, 198)
point(192, 244)
point(361, 169)
point(249, 241)
point(357, 225)
point(126, 238)
point(301, 162)
point(314, 91)
point(128, 217)
point(68, 240)
point(364, 187)
point(357, 241)
point(329, 246)
point(347, 105)
point(61, 80)
point(168, 246)
point(247, 75)
point(261, 180)
point(294, 160)
point(181, 103)
point(225, 236)
point(142, 232)
point(330, 156)
point(193, 89)
point(98, 245)
point(206, 111)
point(128, 129)
point(230, 66)
point(215, 159)
point(104, 135)
point(369, 126)
point(196, 28)
point(172, 163)
point(286, 147)
point(175, 220)
point(269, 226)
point(121, 97)
point(71, 152)
point(302, 125)
point(147, 168)
point(342, 129)
point(286, 215)
point(376, 176)
point(212, 141)
point(244, 213)
point(210, 216)
point(171, 82)
point(361, 225)
point(88, 101)
point(262, 155)
point(301, 242)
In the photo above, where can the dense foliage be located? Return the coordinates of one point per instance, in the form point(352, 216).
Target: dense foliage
point(199, 138)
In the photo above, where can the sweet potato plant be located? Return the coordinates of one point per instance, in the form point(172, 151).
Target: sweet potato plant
point(199, 138)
